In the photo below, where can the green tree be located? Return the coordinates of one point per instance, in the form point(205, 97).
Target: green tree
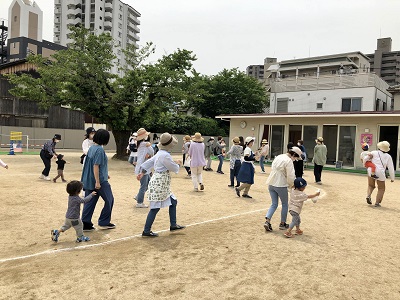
point(229, 92)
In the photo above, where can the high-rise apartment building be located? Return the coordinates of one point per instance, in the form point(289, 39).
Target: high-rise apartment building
point(120, 20)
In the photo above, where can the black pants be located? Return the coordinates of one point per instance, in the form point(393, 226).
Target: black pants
point(186, 168)
point(235, 171)
point(317, 172)
point(298, 168)
point(47, 163)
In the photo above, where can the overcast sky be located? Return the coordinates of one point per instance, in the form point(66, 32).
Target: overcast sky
point(238, 33)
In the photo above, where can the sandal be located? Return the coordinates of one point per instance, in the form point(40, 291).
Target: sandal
point(288, 234)
point(299, 232)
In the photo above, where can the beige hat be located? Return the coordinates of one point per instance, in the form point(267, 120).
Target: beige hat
point(320, 139)
point(142, 134)
point(264, 141)
point(167, 141)
point(297, 151)
point(384, 146)
point(249, 139)
point(197, 137)
point(186, 138)
point(236, 140)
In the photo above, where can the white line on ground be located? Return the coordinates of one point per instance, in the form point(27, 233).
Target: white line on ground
point(52, 251)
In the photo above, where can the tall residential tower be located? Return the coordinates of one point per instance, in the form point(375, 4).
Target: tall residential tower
point(112, 16)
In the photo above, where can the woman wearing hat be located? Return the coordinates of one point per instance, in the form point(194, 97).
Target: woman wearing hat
point(47, 153)
point(144, 152)
point(319, 159)
point(382, 160)
point(160, 194)
point(235, 160)
point(281, 177)
point(246, 172)
point(87, 142)
point(263, 154)
point(197, 161)
point(185, 150)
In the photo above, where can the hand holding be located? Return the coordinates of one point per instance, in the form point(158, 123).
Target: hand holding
point(139, 176)
point(94, 193)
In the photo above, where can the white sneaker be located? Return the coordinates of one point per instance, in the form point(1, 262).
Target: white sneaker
point(141, 205)
point(262, 172)
point(41, 176)
point(47, 178)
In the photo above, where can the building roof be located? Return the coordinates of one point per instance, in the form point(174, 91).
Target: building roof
point(315, 115)
point(283, 62)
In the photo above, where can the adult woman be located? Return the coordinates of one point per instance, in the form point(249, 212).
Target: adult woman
point(218, 151)
point(246, 172)
point(144, 152)
point(160, 194)
point(319, 159)
point(235, 160)
point(47, 153)
point(87, 142)
point(208, 150)
point(197, 161)
point(281, 177)
point(263, 153)
point(95, 178)
point(299, 165)
point(382, 160)
point(185, 150)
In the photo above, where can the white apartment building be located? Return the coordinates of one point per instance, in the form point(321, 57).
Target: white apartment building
point(120, 20)
point(25, 19)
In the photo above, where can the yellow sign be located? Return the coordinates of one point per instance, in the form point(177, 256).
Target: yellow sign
point(15, 136)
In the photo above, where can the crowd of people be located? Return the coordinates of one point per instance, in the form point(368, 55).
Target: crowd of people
point(153, 164)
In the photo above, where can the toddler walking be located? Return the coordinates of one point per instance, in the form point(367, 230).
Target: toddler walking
point(74, 210)
point(368, 163)
point(60, 168)
point(297, 198)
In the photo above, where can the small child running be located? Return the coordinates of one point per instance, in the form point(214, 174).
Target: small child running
point(74, 210)
point(368, 163)
point(60, 167)
point(297, 198)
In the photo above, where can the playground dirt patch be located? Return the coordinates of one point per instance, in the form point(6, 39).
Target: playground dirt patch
point(349, 250)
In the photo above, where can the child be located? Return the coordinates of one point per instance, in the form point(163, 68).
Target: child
point(60, 168)
point(297, 198)
point(72, 216)
point(3, 164)
point(132, 147)
point(368, 163)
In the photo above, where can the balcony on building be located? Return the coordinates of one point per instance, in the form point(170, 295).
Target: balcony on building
point(108, 16)
point(108, 7)
point(107, 26)
point(133, 19)
point(108, 1)
point(133, 36)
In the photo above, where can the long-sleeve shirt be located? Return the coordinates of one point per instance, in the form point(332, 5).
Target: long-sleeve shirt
point(49, 146)
point(320, 152)
point(297, 199)
point(161, 162)
point(144, 150)
point(74, 206)
point(219, 148)
point(2, 164)
point(282, 172)
point(382, 161)
point(86, 144)
point(208, 148)
point(196, 153)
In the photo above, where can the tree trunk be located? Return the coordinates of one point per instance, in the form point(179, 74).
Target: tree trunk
point(121, 141)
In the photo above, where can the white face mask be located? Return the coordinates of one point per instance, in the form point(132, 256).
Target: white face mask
point(91, 136)
point(56, 141)
point(298, 144)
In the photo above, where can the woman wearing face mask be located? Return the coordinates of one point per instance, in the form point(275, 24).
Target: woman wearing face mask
point(47, 153)
point(87, 142)
point(281, 177)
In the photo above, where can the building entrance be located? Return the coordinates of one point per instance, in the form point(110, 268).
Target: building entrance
point(390, 134)
point(330, 135)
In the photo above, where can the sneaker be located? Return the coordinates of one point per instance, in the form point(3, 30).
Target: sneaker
point(319, 182)
point(41, 176)
point(141, 205)
point(195, 189)
point(209, 169)
point(150, 234)
point(64, 180)
point(221, 172)
point(54, 235)
point(288, 234)
point(246, 196)
point(263, 172)
point(47, 178)
point(267, 226)
point(176, 227)
point(299, 232)
point(108, 226)
point(374, 176)
point(230, 185)
point(283, 226)
point(54, 181)
point(201, 187)
point(237, 185)
point(237, 192)
point(377, 205)
point(369, 199)
point(82, 239)
point(88, 228)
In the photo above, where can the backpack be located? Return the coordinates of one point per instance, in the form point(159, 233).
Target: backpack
point(133, 147)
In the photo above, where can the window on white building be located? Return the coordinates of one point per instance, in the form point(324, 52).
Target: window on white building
point(351, 104)
point(101, 8)
point(119, 25)
point(282, 105)
point(119, 34)
point(319, 105)
point(101, 18)
point(120, 16)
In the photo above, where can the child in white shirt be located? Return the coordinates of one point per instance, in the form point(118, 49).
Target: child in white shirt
point(297, 198)
point(368, 163)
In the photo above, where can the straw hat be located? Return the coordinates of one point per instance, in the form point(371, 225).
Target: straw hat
point(249, 139)
point(142, 134)
point(197, 137)
point(384, 146)
point(236, 140)
point(320, 139)
point(264, 141)
point(186, 138)
point(297, 151)
point(167, 141)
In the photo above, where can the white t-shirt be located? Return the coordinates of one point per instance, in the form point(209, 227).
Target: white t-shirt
point(86, 144)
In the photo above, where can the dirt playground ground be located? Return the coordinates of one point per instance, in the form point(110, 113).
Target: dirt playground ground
point(349, 250)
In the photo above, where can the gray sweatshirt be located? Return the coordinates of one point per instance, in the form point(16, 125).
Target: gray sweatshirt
point(74, 206)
